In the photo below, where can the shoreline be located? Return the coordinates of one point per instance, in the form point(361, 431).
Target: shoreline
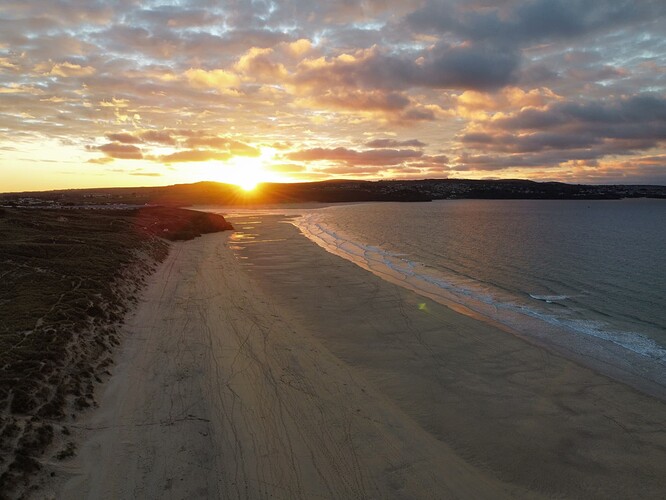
point(458, 348)
point(644, 373)
point(259, 364)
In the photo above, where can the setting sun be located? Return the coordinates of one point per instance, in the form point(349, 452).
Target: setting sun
point(247, 172)
point(243, 171)
point(248, 184)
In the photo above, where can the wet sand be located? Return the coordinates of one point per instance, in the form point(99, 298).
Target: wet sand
point(260, 366)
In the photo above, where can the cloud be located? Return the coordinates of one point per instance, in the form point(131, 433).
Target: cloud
point(15, 88)
point(285, 168)
point(364, 100)
point(469, 67)
point(529, 22)
point(231, 146)
point(352, 157)
point(300, 47)
point(639, 118)
point(565, 131)
point(393, 143)
point(147, 174)
point(67, 69)
point(510, 98)
point(259, 64)
point(193, 155)
point(114, 103)
point(435, 160)
point(543, 86)
point(158, 137)
point(7, 64)
point(121, 151)
point(146, 136)
point(101, 161)
point(177, 17)
point(443, 66)
point(215, 79)
point(357, 171)
point(201, 146)
point(124, 138)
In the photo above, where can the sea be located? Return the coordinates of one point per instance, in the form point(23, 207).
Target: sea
point(587, 278)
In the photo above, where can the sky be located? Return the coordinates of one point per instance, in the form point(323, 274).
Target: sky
point(131, 93)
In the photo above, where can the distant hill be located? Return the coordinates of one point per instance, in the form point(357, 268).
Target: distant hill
point(214, 193)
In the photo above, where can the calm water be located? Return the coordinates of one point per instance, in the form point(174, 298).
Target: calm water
point(593, 269)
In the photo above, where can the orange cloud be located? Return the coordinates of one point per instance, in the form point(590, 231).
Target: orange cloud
point(65, 69)
point(154, 136)
point(193, 155)
point(236, 148)
point(101, 161)
point(285, 168)
point(258, 64)
point(352, 157)
point(299, 47)
point(216, 79)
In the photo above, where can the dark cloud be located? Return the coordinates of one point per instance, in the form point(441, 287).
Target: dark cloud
point(393, 143)
point(128, 39)
point(345, 169)
point(528, 22)
point(172, 16)
point(515, 30)
point(475, 67)
point(488, 163)
point(479, 138)
point(640, 118)
point(444, 66)
point(121, 151)
point(437, 159)
point(124, 138)
point(532, 142)
point(291, 14)
point(158, 137)
point(147, 136)
point(417, 114)
point(567, 131)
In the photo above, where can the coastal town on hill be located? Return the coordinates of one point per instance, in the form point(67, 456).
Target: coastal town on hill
point(330, 192)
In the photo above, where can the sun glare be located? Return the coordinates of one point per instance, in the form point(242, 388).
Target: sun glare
point(248, 184)
point(245, 172)
point(248, 171)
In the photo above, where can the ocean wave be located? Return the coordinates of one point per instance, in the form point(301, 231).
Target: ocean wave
point(549, 298)
point(480, 298)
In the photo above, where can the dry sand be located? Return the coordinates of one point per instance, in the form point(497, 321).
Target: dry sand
point(260, 366)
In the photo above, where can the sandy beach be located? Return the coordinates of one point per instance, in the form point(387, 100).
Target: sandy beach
point(257, 365)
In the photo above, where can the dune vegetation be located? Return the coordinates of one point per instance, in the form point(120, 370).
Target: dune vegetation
point(68, 278)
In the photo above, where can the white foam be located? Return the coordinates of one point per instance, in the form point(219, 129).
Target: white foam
point(549, 298)
point(480, 298)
